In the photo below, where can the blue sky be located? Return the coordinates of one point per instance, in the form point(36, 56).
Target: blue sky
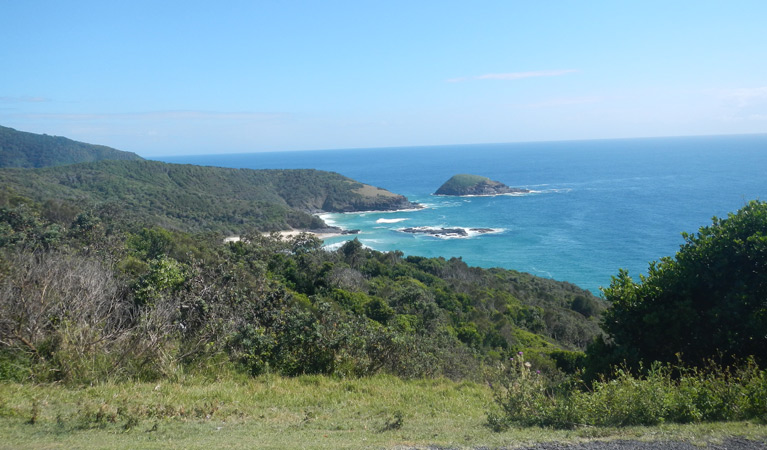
point(174, 78)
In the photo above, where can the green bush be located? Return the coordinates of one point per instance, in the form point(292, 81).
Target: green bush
point(708, 300)
point(521, 393)
point(14, 366)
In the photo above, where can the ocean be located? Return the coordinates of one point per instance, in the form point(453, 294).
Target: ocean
point(595, 207)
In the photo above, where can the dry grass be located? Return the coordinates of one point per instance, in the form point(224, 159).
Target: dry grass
point(372, 191)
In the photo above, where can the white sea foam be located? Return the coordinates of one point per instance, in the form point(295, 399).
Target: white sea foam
point(334, 246)
point(326, 218)
point(545, 273)
point(508, 194)
point(446, 204)
point(553, 191)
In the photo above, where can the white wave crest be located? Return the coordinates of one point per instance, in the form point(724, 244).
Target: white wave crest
point(554, 191)
point(327, 218)
point(334, 246)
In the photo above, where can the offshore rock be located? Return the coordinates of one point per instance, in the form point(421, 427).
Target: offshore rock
point(476, 185)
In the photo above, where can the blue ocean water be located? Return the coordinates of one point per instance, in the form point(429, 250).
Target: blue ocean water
point(596, 206)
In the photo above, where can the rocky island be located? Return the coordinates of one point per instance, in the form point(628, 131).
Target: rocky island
point(448, 233)
point(466, 185)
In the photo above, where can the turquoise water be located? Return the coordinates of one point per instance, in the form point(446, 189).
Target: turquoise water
point(596, 206)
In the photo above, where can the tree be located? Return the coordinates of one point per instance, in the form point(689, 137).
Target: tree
point(708, 301)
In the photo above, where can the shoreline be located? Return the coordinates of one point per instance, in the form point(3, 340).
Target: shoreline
point(289, 234)
point(329, 232)
point(419, 207)
point(319, 234)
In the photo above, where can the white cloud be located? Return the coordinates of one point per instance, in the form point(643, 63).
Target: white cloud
point(514, 75)
point(746, 96)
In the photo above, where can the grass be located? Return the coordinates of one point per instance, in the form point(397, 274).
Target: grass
point(372, 192)
point(278, 412)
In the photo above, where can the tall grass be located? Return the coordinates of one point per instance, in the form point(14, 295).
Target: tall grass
point(230, 410)
point(664, 394)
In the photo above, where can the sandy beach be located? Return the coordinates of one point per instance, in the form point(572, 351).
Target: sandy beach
point(287, 234)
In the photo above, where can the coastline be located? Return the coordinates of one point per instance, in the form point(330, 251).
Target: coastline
point(322, 234)
point(331, 231)
point(289, 234)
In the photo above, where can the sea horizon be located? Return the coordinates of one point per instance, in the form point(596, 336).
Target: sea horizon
point(167, 158)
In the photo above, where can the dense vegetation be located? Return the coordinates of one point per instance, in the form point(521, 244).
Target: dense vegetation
point(708, 301)
point(22, 149)
point(195, 198)
point(85, 295)
point(663, 393)
point(687, 343)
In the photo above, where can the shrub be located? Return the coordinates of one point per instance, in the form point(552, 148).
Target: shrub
point(708, 300)
point(521, 393)
point(664, 394)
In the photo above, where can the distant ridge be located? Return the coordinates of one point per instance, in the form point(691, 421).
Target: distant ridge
point(30, 150)
point(196, 198)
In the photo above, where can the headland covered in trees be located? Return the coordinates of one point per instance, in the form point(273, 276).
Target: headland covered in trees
point(117, 271)
point(185, 197)
point(22, 149)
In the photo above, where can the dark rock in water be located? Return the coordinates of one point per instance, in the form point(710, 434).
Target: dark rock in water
point(464, 185)
point(446, 232)
point(334, 230)
point(436, 231)
point(482, 230)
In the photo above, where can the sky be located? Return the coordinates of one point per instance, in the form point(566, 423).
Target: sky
point(192, 77)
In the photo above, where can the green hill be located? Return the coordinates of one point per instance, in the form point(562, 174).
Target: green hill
point(195, 198)
point(22, 149)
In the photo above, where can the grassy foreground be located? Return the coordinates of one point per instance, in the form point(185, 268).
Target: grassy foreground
point(278, 412)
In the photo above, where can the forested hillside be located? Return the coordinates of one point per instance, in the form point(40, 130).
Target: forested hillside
point(22, 149)
point(195, 198)
point(140, 300)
